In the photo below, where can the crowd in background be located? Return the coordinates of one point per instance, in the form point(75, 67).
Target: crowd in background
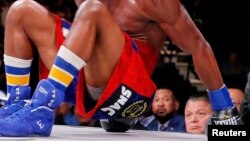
point(226, 26)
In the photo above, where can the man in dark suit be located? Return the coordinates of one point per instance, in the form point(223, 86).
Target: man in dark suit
point(165, 116)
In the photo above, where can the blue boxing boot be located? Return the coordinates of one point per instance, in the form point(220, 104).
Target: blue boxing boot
point(36, 118)
point(18, 97)
point(224, 112)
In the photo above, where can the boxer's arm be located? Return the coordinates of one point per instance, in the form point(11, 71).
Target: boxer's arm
point(181, 29)
point(177, 24)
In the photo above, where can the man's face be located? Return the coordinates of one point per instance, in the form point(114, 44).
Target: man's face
point(197, 113)
point(163, 103)
point(237, 97)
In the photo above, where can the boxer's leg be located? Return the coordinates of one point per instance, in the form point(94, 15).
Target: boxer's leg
point(91, 41)
point(23, 32)
point(92, 44)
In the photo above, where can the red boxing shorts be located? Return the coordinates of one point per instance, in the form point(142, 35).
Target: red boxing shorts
point(130, 89)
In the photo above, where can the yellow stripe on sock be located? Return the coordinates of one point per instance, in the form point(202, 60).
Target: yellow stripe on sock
point(60, 76)
point(15, 80)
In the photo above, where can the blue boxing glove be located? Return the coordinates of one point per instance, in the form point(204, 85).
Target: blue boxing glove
point(117, 125)
point(224, 112)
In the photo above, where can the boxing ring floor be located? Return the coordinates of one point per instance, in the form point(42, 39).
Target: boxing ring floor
point(81, 133)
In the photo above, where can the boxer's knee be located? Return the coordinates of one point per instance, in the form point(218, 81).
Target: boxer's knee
point(20, 10)
point(91, 10)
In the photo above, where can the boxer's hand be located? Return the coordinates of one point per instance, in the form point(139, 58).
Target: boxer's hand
point(228, 116)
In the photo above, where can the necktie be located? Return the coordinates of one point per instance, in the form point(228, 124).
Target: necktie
point(162, 127)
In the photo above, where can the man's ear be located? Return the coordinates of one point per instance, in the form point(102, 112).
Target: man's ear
point(177, 105)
